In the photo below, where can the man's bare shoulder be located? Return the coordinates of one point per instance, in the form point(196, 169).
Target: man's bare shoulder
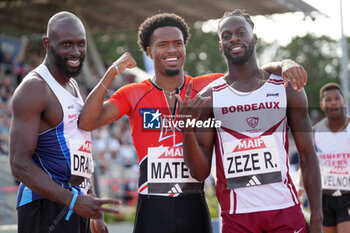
point(32, 90)
point(30, 81)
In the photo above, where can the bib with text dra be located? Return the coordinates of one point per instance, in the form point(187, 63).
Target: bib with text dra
point(82, 165)
point(168, 173)
point(251, 161)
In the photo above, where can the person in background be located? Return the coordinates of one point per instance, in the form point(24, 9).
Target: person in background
point(332, 138)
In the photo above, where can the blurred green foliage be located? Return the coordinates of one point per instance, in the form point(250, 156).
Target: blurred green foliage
point(320, 56)
point(127, 213)
point(212, 201)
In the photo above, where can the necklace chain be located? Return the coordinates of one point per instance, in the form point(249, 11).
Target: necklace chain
point(248, 93)
point(170, 93)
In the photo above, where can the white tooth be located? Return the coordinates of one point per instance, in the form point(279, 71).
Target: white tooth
point(171, 59)
point(74, 61)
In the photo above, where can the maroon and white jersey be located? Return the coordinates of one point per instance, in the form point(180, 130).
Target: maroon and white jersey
point(251, 148)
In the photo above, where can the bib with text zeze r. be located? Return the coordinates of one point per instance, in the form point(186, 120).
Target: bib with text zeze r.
point(82, 165)
point(167, 172)
point(251, 161)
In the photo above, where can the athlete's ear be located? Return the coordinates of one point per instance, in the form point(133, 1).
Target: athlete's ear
point(321, 105)
point(255, 38)
point(343, 100)
point(148, 52)
point(220, 46)
point(46, 42)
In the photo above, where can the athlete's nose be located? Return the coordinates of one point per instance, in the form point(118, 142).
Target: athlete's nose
point(76, 51)
point(235, 38)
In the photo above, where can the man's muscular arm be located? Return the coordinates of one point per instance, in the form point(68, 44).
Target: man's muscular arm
point(96, 112)
point(30, 101)
point(299, 122)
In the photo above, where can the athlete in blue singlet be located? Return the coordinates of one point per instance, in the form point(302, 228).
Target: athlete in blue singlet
point(48, 153)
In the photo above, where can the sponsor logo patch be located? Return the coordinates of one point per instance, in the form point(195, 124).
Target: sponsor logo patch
point(151, 118)
point(252, 121)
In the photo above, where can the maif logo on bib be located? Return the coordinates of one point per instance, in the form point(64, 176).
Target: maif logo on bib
point(81, 158)
point(251, 161)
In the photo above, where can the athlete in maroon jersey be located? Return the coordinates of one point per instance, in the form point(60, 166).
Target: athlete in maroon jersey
point(254, 188)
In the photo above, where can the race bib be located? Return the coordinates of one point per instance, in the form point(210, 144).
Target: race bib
point(335, 170)
point(168, 173)
point(82, 165)
point(251, 161)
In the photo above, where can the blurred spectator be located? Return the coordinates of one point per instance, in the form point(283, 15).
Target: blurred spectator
point(7, 63)
point(19, 70)
point(4, 130)
point(105, 147)
point(6, 90)
point(1, 58)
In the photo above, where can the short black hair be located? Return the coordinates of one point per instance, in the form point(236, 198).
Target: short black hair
point(160, 20)
point(330, 86)
point(238, 12)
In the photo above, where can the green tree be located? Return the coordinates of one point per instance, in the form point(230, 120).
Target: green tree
point(203, 54)
point(320, 56)
point(113, 44)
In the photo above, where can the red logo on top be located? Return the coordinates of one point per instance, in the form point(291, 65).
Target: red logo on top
point(340, 170)
point(172, 152)
point(250, 144)
point(252, 121)
point(72, 116)
point(86, 147)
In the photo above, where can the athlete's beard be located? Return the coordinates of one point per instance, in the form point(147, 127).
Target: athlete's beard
point(172, 72)
point(61, 64)
point(238, 60)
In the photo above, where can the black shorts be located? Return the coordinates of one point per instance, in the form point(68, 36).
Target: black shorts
point(39, 216)
point(182, 214)
point(335, 209)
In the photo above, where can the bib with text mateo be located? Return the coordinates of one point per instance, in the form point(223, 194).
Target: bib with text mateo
point(251, 161)
point(168, 173)
point(82, 165)
point(335, 171)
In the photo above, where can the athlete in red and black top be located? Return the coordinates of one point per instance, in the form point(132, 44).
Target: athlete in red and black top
point(142, 102)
